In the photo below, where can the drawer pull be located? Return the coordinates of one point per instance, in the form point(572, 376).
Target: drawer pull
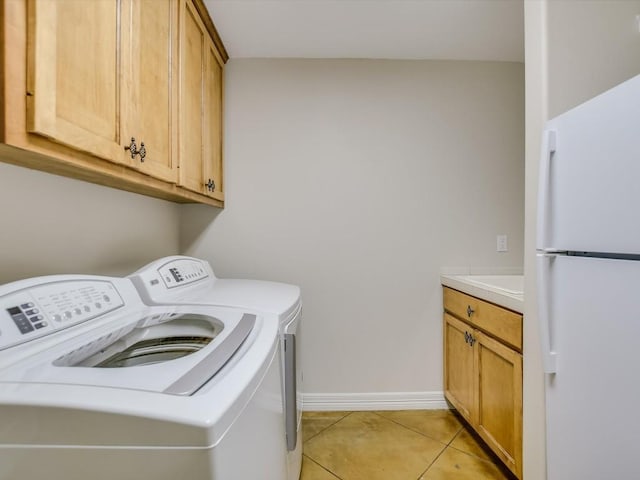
point(470, 311)
point(466, 337)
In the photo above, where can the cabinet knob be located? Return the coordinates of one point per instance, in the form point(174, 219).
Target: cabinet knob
point(133, 149)
point(466, 337)
point(211, 185)
point(470, 311)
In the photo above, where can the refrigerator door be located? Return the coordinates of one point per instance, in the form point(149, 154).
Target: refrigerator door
point(590, 176)
point(593, 425)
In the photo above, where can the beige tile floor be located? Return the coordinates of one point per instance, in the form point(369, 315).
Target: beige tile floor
point(394, 445)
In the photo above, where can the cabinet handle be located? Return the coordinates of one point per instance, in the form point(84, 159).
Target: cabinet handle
point(133, 149)
point(468, 338)
point(470, 311)
point(211, 185)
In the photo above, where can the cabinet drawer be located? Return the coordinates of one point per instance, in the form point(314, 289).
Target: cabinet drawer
point(497, 321)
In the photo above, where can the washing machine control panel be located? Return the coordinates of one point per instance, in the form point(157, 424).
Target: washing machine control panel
point(182, 272)
point(42, 309)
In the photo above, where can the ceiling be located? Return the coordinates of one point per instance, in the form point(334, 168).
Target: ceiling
point(394, 29)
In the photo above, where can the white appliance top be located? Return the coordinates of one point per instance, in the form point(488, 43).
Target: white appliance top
point(89, 330)
point(55, 366)
point(181, 279)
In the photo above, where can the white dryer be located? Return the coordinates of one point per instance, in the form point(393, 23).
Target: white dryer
point(95, 384)
point(182, 279)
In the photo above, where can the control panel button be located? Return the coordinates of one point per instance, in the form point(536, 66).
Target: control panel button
point(98, 305)
point(33, 311)
point(23, 324)
point(87, 308)
point(36, 318)
point(77, 311)
point(106, 298)
point(67, 314)
point(57, 318)
point(39, 325)
point(26, 305)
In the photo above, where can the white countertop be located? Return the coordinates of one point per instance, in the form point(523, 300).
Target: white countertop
point(504, 290)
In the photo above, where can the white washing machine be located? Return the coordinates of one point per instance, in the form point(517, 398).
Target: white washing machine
point(181, 279)
point(96, 385)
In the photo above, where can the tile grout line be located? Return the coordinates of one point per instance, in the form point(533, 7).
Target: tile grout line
point(448, 445)
point(445, 446)
point(422, 433)
point(323, 467)
point(328, 426)
point(434, 461)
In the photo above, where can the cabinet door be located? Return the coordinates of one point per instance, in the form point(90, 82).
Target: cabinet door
point(459, 368)
point(200, 107)
point(191, 128)
point(499, 387)
point(73, 83)
point(149, 53)
point(212, 115)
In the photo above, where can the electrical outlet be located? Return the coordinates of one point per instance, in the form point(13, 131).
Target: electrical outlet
point(501, 243)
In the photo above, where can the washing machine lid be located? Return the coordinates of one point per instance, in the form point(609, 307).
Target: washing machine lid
point(172, 350)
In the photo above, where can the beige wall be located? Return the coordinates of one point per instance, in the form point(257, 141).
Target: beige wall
point(359, 181)
point(574, 50)
point(51, 224)
point(593, 45)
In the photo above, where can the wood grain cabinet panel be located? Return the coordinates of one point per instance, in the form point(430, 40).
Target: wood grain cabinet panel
point(212, 118)
point(201, 107)
point(80, 79)
point(493, 319)
point(499, 392)
point(459, 375)
point(150, 73)
point(73, 89)
point(483, 372)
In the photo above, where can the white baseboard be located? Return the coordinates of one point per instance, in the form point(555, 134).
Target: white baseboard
point(316, 402)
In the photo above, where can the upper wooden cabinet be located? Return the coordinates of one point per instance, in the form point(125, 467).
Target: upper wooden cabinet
point(150, 77)
point(73, 87)
point(201, 102)
point(82, 79)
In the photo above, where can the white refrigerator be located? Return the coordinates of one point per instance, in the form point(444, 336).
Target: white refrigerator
point(588, 267)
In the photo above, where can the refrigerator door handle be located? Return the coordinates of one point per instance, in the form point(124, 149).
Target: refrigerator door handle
point(544, 184)
point(544, 262)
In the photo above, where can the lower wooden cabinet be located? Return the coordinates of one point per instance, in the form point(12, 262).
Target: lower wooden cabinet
point(483, 376)
point(459, 371)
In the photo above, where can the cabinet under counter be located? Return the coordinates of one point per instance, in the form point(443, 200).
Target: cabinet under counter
point(483, 371)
